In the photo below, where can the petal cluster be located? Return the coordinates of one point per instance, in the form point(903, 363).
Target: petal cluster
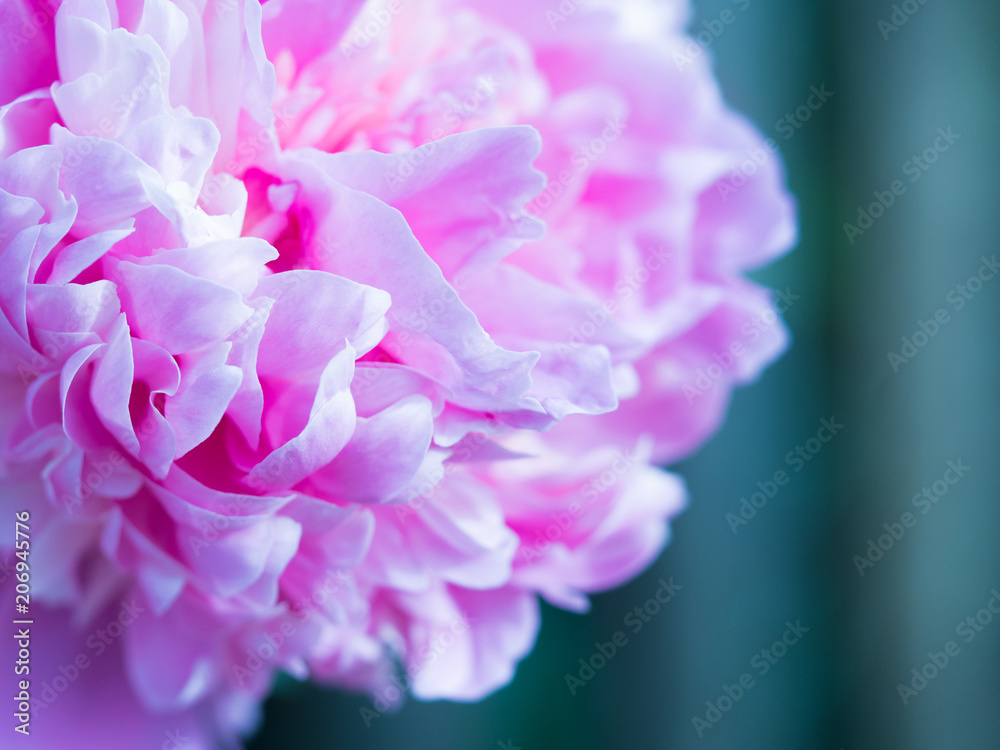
point(335, 334)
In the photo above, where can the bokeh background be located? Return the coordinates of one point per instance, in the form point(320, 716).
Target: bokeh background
point(794, 561)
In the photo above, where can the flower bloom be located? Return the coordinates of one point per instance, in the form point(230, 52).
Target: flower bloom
point(333, 334)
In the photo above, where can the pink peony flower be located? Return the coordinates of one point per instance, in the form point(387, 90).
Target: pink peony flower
point(334, 334)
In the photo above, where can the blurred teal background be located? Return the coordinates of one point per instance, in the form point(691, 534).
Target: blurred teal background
point(794, 561)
